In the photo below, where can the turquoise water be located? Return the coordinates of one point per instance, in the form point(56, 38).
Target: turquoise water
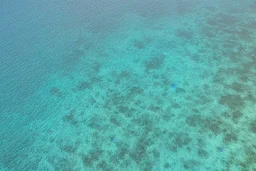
point(156, 85)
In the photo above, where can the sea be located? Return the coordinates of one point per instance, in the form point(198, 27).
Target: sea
point(138, 85)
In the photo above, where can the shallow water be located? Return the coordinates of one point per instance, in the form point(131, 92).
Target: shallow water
point(156, 85)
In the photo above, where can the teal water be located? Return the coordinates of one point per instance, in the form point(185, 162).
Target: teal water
point(156, 85)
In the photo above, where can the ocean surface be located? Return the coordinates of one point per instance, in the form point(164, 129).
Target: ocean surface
point(161, 85)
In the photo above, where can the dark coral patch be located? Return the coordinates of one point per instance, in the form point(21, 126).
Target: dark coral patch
point(203, 153)
point(56, 92)
point(190, 164)
point(122, 76)
point(194, 120)
point(155, 62)
point(103, 165)
point(236, 115)
point(123, 152)
point(142, 43)
point(97, 122)
point(230, 137)
point(114, 121)
point(61, 163)
point(180, 140)
point(70, 118)
point(221, 20)
point(205, 123)
point(253, 127)
point(140, 151)
point(184, 34)
point(72, 59)
point(213, 125)
point(138, 44)
point(135, 91)
point(77, 54)
point(167, 165)
point(70, 147)
point(176, 105)
point(92, 157)
point(251, 98)
point(180, 90)
point(122, 109)
point(156, 154)
point(154, 108)
point(83, 86)
point(232, 101)
point(237, 87)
